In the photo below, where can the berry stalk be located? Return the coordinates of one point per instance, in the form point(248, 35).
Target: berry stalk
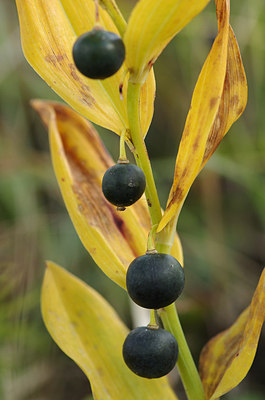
point(153, 323)
point(122, 156)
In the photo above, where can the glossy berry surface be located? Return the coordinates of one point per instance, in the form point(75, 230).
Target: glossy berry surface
point(98, 54)
point(150, 353)
point(155, 280)
point(123, 184)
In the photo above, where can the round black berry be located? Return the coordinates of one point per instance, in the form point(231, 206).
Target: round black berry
point(150, 353)
point(123, 184)
point(155, 280)
point(98, 54)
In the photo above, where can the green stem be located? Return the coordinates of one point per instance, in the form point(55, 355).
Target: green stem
point(188, 371)
point(186, 366)
point(114, 12)
point(133, 103)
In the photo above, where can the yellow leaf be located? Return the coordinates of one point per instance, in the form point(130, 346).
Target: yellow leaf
point(209, 116)
point(49, 29)
point(152, 24)
point(227, 358)
point(147, 102)
point(80, 160)
point(234, 98)
point(90, 332)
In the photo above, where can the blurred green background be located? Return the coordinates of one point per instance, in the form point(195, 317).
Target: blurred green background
point(221, 227)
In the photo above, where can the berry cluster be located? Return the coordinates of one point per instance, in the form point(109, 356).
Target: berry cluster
point(153, 280)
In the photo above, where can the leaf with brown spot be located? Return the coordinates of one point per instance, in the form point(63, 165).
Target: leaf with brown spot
point(49, 29)
point(80, 159)
point(203, 110)
point(227, 358)
point(152, 24)
point(202, 136)
point(234, 98)
point(90, 332)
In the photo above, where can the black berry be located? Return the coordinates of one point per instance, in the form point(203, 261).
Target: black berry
point(155, 280)
point(98, 54)
point(123, 184)
point(150, 353)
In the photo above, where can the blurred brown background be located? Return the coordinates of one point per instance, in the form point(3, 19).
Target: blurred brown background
point(222, 225)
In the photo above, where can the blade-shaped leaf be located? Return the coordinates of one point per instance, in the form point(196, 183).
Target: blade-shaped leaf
point(89, 331)
point(152, 24)
point(227, 358)
point(234, 98)
point(80, 159)
point(147, 102)
point(48, 30)
point(218, 100)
